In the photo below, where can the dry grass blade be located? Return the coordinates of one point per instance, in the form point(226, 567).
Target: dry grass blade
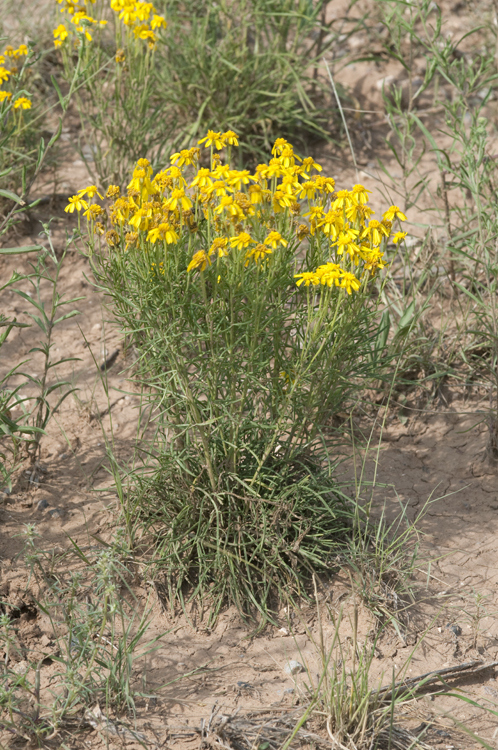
point(267, 728)
point(429, 678)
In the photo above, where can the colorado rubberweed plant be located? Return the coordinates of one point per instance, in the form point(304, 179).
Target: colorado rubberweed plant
point(250, 299)
point(251, 67)
point(115, 44)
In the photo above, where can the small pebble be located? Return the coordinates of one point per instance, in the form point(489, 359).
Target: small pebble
point(21, 667)
point(294, 667)
point(42, 504)
point(55, 513)
point(455, 629)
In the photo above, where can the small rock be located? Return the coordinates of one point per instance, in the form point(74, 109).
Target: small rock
point(21, 667)
point(455, 629)
point(96, 327)
point(42, 504)
point(55, 513)
point(293, 667)
point(45, 640)
point(283, 631)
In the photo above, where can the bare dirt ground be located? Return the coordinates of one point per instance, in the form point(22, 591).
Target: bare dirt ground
point(434, 453)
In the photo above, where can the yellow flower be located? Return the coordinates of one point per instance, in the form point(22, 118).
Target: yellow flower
point(241, 241)
point(219, 246)
point(373, 260)
point(178, 196)
point(257, 253)
point(5, 95)
point(308, 190)
point(329, 184)
point(4, 74)
point(213, 138)
point(164, 232)
point(90, 191)
point(274, 239)
point(157, 22)
point(398, 237)
point(278, 146)
point(359, 212)
point(230, 137)
point(255, 194)
point(329, 274)
point(376, 231)
point(202, 179)
point(345, 242)
point(307, 279)
point(331, 224)
point(120, 56)
point(228, 204)
point(219, 188)
point(287, 157)
point(302, 231)
point(349, 282)
point(75, 202)
point(113, 191)
point(60, 34)
point(93, 212)
point(342, 200)
point(238, 178)
point(9, 51)
point(201, 260)
point(23, 50)
point(308, 164)
point(360, 194)
point(281, 200)
point(184, 156)
point(394, 212)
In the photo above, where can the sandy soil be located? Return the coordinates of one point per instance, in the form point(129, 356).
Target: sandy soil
point(433, 455)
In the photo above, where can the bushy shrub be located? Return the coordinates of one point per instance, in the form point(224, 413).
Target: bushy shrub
point(250, 301)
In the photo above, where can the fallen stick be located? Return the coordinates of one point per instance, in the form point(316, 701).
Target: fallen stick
point(470, 667)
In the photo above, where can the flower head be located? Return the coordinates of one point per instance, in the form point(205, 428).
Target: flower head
point(219, 246)
point(22, 102)
point(230, 137)
point(274, 239)
point(90, 191)
point(398, 237)
point(241, 241)
point(201, 260)
point(213, 138)
point(394, 212)
point(75, 202)
point(349, 282)
point(257, 253)
point(307, 278)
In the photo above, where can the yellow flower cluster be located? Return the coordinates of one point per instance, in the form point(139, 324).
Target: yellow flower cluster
point(224, 211)
point(141, 17)
point(21, 102)
point(79, 18)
